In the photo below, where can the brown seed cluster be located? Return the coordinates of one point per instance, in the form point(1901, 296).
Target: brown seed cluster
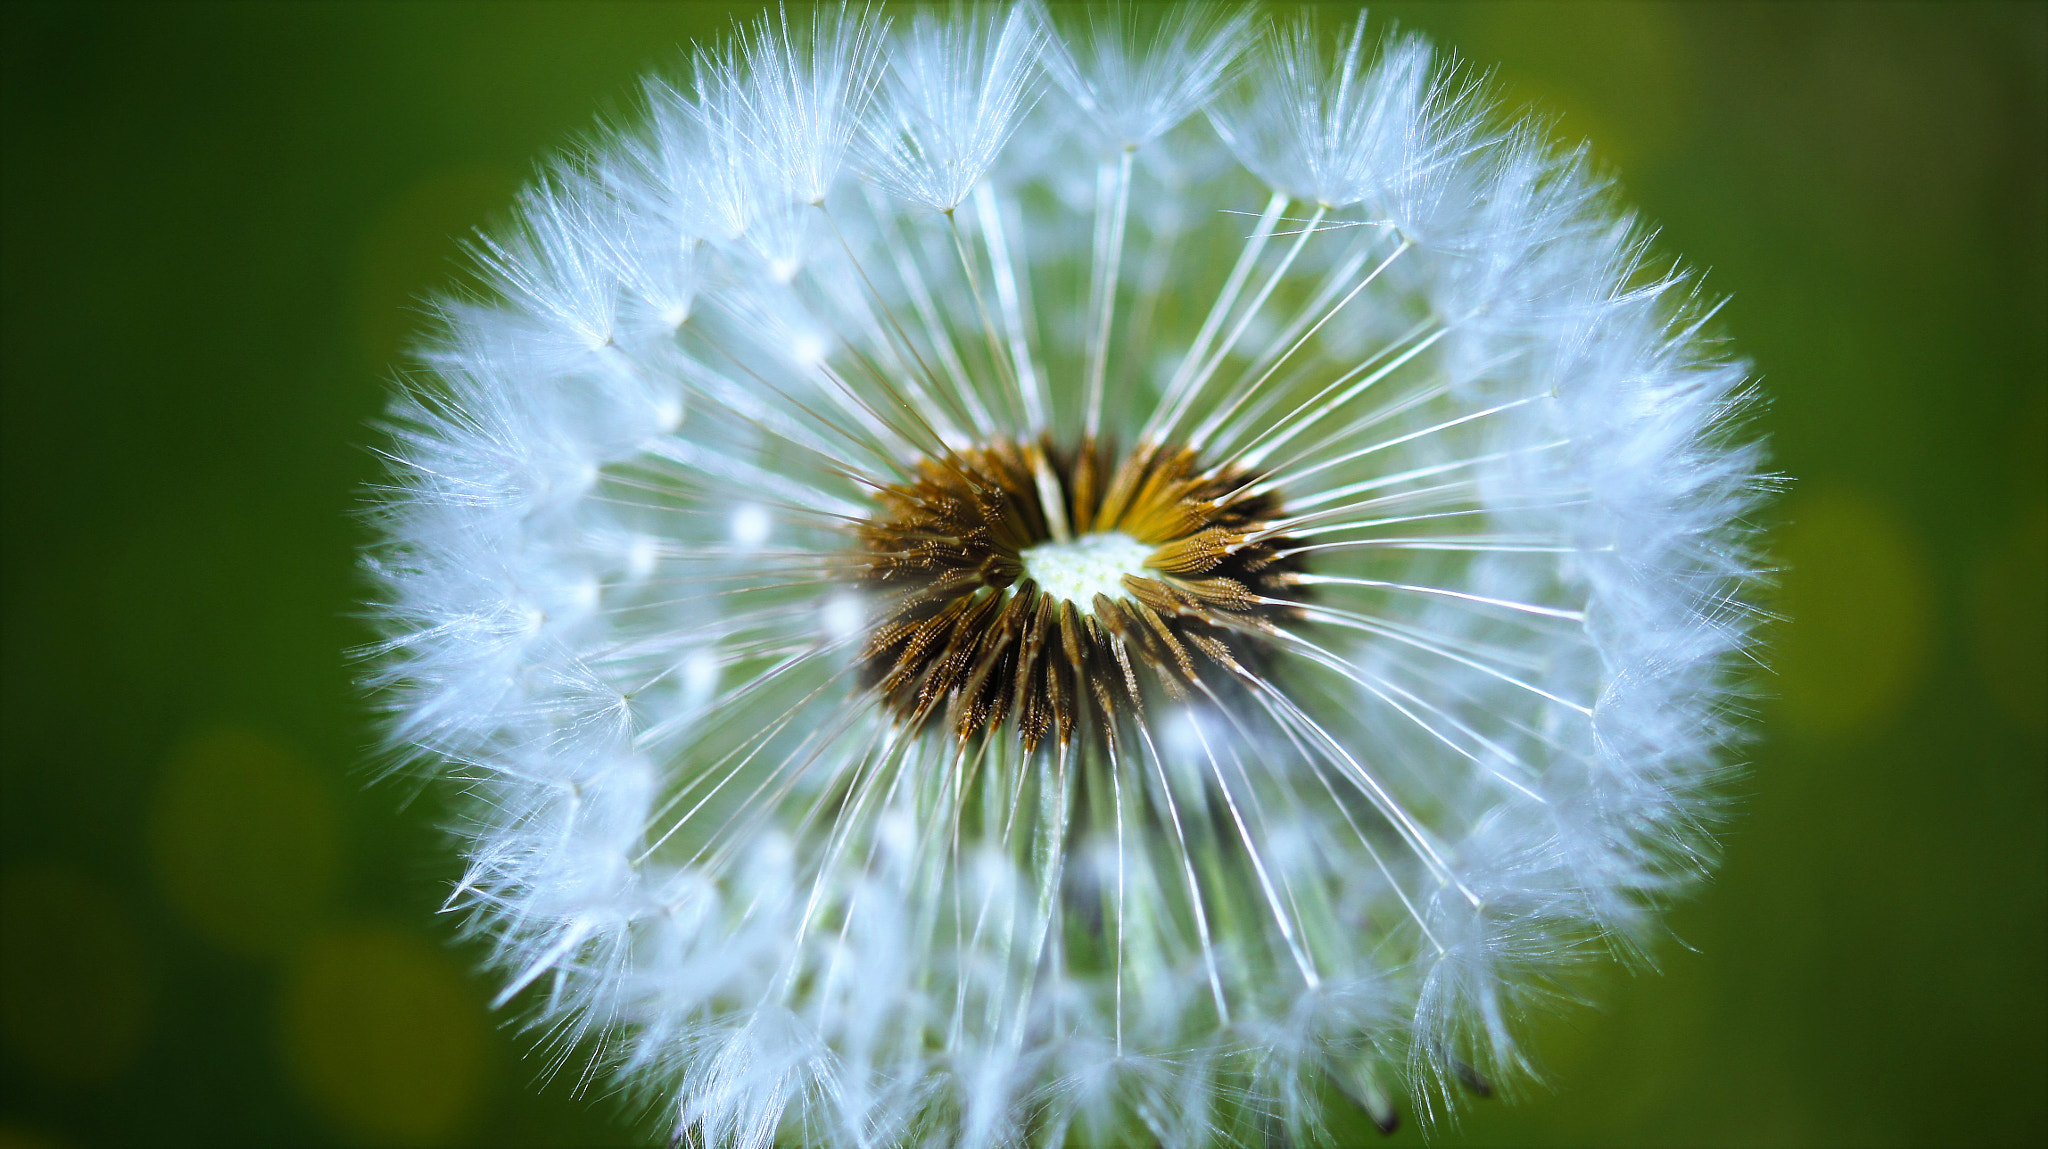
point(962, 634)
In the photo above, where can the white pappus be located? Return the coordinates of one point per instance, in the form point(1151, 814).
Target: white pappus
point(997, 581)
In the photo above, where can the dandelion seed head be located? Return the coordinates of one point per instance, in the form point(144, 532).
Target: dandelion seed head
point(1154, 565)
point(1032, 578)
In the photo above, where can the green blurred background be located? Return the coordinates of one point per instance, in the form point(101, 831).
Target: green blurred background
point(214, 219)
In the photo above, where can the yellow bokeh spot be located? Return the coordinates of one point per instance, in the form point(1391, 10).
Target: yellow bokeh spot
point(1856, 598)
point(244, 842)
point(16, 1137)
point(74, 988)
point(385, 1036)
point(2011, 618)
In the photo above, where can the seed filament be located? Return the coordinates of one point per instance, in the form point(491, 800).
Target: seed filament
point(1022, 584)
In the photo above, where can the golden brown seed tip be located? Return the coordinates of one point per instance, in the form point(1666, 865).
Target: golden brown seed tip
point(965, 635)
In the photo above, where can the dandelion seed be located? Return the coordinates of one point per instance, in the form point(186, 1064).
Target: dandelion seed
point(1000, 584)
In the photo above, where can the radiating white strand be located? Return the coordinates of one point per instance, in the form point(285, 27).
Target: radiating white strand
point(1359, 380)
point(998, 361)
point(716, 391)
point(1112, 208)
point(1179, 388)
point(1199, 437)
point(1413, 706)
point(1263, 692)
point(752, 744)
point(886, 334)
point(739, 475)
point(1300, 735)
point(1282, 917)
point(1431, 471)
point(1526, 607)
point(1371, 626)
point(1206, 371)
point(938, 334)
point(869, 430)
point(1164, 791)
point(1009, 296)
point(1257, 402)
point(839, 838)
point(1294, 478)
point(1476, 544)
point(1358, 775)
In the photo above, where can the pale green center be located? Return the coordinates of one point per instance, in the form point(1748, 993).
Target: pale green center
point(1085, 567)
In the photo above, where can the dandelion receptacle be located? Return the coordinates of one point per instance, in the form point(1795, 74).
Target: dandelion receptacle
point(1097, 578)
